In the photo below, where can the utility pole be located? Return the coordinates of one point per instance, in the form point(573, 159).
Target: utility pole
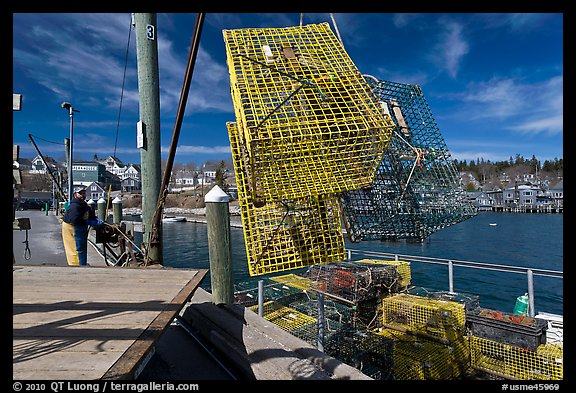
point(68, 107)
point(149, 126)
point(68, 161)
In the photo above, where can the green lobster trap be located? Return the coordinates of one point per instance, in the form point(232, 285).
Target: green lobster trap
point(288, 234)
point(417, 189)
point(371, 353)
point(308, 121)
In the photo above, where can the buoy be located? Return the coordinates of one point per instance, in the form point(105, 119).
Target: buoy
point(521, 306)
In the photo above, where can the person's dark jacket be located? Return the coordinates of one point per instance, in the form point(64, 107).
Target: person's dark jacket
point(78, 213)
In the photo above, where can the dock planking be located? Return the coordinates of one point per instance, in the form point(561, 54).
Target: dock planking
point(92, 323)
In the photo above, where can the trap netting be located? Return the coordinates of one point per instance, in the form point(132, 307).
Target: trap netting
point(309, 121)
point(417, 189)
point(288, 234)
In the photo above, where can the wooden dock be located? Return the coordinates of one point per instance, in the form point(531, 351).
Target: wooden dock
point(92, 323)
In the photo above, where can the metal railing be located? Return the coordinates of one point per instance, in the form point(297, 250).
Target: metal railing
point(451, 263)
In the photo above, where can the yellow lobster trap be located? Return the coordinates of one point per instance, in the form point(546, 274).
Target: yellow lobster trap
point(309, 121)
point(288, 234)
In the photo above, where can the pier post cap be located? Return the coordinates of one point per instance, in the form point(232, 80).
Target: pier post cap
point(117, 200)
point(91, 201)
point(216, 195)
point(101, 200)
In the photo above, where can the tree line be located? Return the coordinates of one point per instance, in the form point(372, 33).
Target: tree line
point(486, 169)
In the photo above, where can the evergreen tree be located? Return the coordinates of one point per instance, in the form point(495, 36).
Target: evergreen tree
point(220, 177)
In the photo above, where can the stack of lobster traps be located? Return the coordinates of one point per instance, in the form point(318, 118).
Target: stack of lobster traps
point(368, 314)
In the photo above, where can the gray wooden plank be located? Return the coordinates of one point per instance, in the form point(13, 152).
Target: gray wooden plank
point(87, 322)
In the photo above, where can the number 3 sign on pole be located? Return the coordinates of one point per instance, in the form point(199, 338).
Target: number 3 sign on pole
point(150, 32)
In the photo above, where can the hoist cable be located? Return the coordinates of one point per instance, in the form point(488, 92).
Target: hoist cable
point(122, 90)
point(336, 28)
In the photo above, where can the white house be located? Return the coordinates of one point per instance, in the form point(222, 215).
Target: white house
point(113, 165)
point(38, 165)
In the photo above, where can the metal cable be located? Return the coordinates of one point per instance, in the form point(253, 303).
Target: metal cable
point(122, 91)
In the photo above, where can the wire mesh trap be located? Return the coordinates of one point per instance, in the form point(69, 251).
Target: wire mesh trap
point(356, 281)
point(289, 234)
point(417, 189)
point(309, 122)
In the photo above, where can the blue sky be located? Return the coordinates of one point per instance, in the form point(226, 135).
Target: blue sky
point(494, 81)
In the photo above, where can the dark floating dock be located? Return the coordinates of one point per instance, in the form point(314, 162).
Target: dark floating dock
point(93, 322)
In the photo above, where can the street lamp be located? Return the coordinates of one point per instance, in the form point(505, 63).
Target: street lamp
point(68, 107)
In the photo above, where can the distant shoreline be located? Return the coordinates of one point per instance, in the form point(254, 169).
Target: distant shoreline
point(192, 215)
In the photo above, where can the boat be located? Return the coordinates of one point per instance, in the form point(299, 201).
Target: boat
point(492, 224)
point(174, 219)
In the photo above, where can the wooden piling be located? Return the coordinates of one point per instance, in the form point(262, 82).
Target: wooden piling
point(219, 246)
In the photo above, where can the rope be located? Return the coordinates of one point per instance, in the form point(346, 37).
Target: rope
point(45, 140)
point(333, 22)
point(336, 28)
point(122, 91)
point(27, 253)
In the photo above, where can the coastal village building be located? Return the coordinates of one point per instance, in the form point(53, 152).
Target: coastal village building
point(112, 164)
point(527, 193)
point(129, 175)
point(184, 181)
point(528, 198)
point(95, 191)
point(38, 166)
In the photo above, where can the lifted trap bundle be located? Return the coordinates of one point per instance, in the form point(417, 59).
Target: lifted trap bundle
point(417, 189)
point(289, 234)
point(307, 119)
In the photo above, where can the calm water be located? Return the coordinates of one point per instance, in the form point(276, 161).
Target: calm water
point(518, 239)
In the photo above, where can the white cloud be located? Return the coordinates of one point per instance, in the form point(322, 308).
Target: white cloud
point(551, 125)
point(452, 48)
point(403, 20)
point(528, 108)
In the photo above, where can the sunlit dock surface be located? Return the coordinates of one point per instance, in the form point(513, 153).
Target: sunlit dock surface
point(92, 322)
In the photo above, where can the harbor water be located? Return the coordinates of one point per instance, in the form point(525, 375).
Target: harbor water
point(516, 239)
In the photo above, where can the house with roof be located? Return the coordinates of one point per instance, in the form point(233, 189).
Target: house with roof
point(113, 165)
point(38, 164)
point(482, 200)
point(95, 191)
point(183, 181)
point(130, 184)
point(556, 193)
point(86, 172)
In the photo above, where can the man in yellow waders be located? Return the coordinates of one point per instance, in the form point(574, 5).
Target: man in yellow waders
point(77, 217)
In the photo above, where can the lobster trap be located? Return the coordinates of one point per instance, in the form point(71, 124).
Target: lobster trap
point(433, 318)
point(513, 362)
point(355, 281)
point(308, 121)
point(417, 189)
point(416, 358)
point(368, 352)
point(278, 292)
point(287, 234)
point(284, 317)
